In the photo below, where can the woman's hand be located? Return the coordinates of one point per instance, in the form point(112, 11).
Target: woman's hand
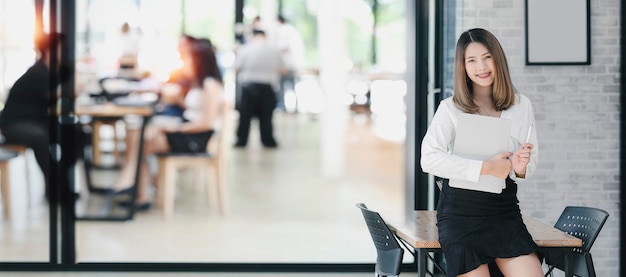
point(520, 159)
point(171, 94)
point(499, 165)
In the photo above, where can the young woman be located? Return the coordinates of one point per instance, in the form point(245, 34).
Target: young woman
point(201, 108)
point(480, 229)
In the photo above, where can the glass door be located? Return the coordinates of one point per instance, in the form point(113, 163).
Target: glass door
point(276, 198)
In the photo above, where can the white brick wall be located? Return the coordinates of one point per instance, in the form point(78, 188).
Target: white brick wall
point(577, 112)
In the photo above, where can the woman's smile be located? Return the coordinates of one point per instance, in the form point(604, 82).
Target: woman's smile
point(484, 75)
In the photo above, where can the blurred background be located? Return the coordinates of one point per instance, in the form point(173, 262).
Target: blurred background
point(341, 133)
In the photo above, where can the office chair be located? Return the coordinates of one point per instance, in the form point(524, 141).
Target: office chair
point(388, 250)
point(584, 223)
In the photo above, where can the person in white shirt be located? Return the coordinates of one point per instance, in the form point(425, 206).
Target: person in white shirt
point(288, 39)
point(129, 51)
point(482, 233)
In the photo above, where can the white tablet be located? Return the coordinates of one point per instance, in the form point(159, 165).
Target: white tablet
point(480, 138)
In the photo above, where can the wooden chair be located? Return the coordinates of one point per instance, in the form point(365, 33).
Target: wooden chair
point(19, 150)
point(5, 187)
point(97, 124)
point(584, 223)
point(214, 158)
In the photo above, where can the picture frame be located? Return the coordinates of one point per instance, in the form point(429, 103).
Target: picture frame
point(558, 32)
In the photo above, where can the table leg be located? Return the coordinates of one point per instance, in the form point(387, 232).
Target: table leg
point(94, 162)
point(568, 264)
point(107, 209)
point(133, 194)
point(421, 261)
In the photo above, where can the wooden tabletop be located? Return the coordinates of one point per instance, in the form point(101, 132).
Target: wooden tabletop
point(112, 110)
point(421, 232)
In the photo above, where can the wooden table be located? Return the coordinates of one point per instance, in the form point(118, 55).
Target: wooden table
point(112, 110)
point(109, 111)
point(421, 233)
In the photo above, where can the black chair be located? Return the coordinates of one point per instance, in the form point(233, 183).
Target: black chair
point(584, 223)
point(114, 87)
point(389, 252)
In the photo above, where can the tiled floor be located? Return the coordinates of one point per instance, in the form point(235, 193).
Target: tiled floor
point(292, 204)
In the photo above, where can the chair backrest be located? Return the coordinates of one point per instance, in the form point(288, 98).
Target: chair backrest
point(388, 250)
point(584, 223)
point(218, 146)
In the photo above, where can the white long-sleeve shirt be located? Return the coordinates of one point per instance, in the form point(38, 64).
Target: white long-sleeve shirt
point(437, 145)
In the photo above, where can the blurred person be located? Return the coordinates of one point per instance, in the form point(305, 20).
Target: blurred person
point(256, 24)
point(168, 111)
point(288, 39)
point(171, 96)
point(129, 51)
point(201, 106)
point(29, 106)
point(259, 66)
point(170, 106)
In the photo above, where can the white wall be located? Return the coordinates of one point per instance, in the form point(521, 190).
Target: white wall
point(577, 112)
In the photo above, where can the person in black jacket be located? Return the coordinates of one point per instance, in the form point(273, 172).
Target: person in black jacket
point(27, 111)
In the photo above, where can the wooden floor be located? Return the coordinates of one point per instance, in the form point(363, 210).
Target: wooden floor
point(294, 204)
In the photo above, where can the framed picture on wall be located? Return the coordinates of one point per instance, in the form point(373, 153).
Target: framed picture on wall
point(558, 32)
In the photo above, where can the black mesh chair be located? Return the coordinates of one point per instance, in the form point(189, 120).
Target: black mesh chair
point(388, 250)
point(584, 223)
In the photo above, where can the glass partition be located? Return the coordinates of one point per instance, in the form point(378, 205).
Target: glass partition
point(282, 205)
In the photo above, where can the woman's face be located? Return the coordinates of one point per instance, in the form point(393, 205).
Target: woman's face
point(188, 66)
point(183, 47)
point(479, 64)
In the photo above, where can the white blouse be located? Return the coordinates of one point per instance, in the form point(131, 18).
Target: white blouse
point(437, 145)
point(194, 101)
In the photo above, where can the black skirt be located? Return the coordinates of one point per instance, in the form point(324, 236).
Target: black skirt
point(477, 227)
point(188, 142)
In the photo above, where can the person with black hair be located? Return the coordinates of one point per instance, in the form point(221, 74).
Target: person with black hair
point(28, 109)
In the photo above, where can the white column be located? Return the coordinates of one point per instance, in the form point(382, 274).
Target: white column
point(332, 42)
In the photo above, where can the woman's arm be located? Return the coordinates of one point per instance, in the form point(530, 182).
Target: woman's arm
point(437, 158)
point(524, 160)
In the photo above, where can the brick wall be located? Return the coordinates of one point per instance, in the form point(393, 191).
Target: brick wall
point(577, 112)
